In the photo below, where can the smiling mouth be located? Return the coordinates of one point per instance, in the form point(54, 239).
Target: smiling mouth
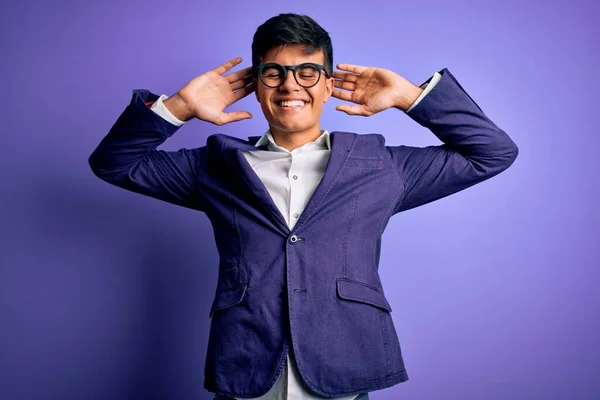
point(292, 104)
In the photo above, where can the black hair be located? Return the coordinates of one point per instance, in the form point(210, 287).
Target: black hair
point(292, 29)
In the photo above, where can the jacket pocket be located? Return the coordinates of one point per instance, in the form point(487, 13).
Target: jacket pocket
point(348, 289)
point(227, 298)
point(364, 162)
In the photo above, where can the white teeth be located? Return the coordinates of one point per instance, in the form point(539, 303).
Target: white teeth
point(293, 103)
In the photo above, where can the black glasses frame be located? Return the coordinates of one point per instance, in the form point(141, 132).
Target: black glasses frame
point(293, 68)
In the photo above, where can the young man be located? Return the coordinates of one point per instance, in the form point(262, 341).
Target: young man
point(298, 214)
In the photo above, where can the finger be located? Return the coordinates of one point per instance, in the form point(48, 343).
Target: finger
point(352, 110)
point(242, 82)
point(233, 116)
point(245, 91)
point(234, 76)
point(342, 95)
point(357, 69)
point(345, 76)
point(228, 65)
point(345, 85)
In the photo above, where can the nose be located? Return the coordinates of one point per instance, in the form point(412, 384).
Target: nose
point(289, 84)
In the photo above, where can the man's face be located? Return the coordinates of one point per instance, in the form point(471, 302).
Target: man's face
point(303, 119)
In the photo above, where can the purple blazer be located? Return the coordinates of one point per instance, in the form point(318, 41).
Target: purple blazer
point(314, 290)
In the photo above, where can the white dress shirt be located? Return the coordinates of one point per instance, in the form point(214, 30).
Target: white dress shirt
point(291, 178)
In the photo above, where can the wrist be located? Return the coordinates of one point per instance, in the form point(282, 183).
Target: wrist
point(408, 95)
point(178, 107)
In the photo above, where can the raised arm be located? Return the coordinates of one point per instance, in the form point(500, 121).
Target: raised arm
point(474, 148)
point(127, 157)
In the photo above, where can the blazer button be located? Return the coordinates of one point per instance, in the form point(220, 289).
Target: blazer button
point(293, 239)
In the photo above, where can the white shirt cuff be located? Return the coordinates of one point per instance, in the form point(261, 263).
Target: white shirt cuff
point(159, 108)
point(428, 86)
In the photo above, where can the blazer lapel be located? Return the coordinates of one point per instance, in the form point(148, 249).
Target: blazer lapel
point(233, 153)
point(342, 144)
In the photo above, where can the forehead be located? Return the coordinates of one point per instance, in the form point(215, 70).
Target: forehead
point(292, 54)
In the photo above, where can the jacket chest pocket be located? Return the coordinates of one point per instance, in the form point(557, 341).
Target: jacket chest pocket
point(364, 162)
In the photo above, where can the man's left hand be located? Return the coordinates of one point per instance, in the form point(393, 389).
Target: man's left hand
point(373, 89)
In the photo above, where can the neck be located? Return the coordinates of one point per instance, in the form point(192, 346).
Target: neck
point(293, 140)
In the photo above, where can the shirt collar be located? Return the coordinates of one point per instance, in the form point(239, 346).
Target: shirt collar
point(323, 142)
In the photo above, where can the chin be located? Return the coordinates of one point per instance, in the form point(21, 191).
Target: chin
point(287, 126)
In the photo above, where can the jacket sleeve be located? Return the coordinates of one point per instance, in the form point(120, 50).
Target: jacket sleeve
point(474, 148)
point(127, 156)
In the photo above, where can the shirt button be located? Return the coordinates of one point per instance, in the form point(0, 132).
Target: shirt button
point(296, 215)
point(295, 177)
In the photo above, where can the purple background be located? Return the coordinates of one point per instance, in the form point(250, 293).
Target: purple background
point(104, 294)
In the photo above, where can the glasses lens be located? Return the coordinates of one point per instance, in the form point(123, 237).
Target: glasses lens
point(272, 75)
point(307, 74)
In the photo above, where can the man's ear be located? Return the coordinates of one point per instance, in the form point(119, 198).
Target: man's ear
point(256, 89)
point(328, 89)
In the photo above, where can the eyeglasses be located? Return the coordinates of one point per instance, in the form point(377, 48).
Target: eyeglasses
point(306, 74)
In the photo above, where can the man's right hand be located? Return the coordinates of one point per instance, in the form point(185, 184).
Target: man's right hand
point(206, 96)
